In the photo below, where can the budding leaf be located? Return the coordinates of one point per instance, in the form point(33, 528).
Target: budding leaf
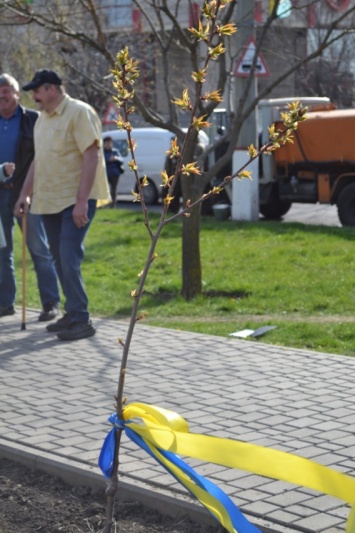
point(199, 123)
point(199, 76)
point(168, 199)
point(132, 165)
point(245, 174)
point(214, 96)
point(190, 168)
point(137, 197)
point(201, 33)
point(215, 52)
point(227, 29)
point(252, 151)
point(184, 102)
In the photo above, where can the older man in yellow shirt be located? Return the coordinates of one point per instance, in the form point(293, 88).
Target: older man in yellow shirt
point(64, 182)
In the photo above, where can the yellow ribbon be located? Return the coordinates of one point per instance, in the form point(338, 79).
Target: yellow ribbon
point(170, 432)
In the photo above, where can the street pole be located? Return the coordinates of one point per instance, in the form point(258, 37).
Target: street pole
point(245, 193)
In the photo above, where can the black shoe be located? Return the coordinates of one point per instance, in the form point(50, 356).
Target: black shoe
point(7, 311)
point(59, 325)
point(76, 331)
point(50, 311)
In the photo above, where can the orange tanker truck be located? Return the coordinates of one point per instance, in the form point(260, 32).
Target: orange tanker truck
point(318, 167)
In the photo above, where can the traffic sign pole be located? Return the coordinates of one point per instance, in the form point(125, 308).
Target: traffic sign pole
point(245, 193)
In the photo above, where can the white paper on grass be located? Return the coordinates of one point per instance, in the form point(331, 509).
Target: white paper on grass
point(252, 332)
point(243, 334)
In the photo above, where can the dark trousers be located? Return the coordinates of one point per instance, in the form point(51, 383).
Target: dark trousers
point(113, 182)
point(66, 244)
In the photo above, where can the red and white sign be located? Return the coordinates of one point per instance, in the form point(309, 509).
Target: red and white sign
point(111, 114)
point(244, 63)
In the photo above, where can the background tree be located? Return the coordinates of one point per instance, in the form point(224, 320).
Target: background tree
point(329, 74)
point(84, 37)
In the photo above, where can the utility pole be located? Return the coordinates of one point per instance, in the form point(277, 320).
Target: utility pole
point(245, 193)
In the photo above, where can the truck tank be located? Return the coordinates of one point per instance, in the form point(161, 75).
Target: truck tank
point(326, 137)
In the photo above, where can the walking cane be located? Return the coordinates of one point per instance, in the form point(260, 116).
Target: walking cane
point(24, 239)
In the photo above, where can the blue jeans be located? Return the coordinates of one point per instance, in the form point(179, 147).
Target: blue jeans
point(66, 242)
point(38, 247)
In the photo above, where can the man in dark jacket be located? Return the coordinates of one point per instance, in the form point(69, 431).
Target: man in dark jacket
point(114, 167)
point(16, 145)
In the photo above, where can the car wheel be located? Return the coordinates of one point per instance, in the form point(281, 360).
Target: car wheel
point(346, 205)
point(150, 193)
point(276, 209)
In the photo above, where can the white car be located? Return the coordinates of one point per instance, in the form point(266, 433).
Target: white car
point(150, 153)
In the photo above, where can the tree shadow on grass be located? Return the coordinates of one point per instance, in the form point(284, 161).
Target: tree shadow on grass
point(160, 297)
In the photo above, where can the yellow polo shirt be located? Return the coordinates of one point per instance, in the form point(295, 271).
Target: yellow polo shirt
point(60, 140)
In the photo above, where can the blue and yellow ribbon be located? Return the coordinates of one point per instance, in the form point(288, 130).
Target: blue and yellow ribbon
point(165, 435)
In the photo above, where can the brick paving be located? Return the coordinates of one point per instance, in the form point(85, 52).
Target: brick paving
point(55, 398)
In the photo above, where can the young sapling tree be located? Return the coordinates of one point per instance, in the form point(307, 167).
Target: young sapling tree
point(125, 73)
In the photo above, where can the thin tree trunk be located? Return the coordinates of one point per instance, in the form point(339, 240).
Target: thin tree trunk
point(191, 259)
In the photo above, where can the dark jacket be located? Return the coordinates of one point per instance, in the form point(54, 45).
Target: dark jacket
point(113, 168)
point(24, 152)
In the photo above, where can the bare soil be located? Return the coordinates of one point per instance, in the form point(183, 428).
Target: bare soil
point(31, 501)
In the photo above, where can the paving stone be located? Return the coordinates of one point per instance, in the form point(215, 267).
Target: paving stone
point(318, 522)
point(328, 459)
point(260, 508)
point(300, 510)
point(342, 512)
point(281, 516)
point(323, 503)
point(288, 498)
point(254, 495)
point(252, 481)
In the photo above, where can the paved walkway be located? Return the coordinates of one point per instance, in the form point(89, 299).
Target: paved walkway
point(55, 398)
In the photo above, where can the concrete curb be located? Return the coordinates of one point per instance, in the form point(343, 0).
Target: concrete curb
point(165, 501)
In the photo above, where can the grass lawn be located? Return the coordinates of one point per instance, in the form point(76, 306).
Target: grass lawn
point(293, 276)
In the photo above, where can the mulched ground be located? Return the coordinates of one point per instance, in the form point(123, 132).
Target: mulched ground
point(31, 501)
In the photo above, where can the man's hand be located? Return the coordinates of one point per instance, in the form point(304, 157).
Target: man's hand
point(88, 173)
point(80, 213)
point(9, 169)
point(22, 206)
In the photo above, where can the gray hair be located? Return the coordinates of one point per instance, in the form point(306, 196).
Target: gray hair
point(9, 81)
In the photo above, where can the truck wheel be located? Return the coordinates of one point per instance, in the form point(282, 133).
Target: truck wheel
point(346, 205)
point(150, 193)
point(275, 209)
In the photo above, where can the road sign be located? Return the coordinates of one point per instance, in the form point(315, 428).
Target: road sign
point(111, 114)
point(244, 63)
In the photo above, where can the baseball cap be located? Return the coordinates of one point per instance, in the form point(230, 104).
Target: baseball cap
point(41, 77)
